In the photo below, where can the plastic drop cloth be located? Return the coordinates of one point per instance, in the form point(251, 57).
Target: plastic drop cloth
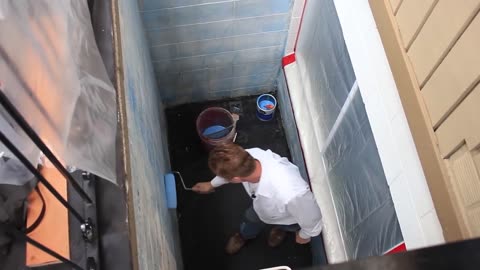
point(362, 198)
point(52, 71)
point(354, 174)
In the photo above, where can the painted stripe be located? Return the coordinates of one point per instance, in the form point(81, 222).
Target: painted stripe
point(288, 59)
point(300, 26)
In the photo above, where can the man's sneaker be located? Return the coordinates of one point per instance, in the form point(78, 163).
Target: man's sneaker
point(276, 237)
point(235, 243)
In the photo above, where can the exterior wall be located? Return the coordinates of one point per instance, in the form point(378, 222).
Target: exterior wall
point(432, 50)
point(445, 60)
point(210, 49)
point(156, 245)
point(400, 160)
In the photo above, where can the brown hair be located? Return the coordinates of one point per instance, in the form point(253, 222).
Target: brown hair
point(231, 160)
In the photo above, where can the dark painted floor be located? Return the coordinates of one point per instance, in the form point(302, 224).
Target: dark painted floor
point(207, 221)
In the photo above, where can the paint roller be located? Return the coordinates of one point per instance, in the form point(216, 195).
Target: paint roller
point(171, 188)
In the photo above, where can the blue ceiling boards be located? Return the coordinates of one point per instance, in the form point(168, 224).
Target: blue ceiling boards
point(211, 49)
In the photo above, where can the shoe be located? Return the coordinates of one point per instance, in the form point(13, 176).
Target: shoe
point(235, 243)
point(276, 237)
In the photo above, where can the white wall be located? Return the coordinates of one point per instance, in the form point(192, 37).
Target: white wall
point(401, 166)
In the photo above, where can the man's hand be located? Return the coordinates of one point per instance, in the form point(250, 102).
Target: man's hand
point(300, 240)
point(203, 188)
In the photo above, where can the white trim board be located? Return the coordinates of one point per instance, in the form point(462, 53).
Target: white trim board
point(410, 194)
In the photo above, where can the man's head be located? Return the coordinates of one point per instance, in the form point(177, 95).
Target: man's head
point(231, 162)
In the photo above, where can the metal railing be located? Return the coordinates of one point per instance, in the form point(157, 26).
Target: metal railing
point(86, 226)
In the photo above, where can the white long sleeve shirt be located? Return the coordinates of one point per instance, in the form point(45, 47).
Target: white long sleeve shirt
point(281, 196)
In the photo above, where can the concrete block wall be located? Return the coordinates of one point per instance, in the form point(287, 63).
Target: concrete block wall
point(156, 230)
point(210, 49)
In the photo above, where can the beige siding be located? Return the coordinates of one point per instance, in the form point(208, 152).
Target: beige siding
point(456, 76)
point(462, 126)
point(466, 186)
point(411, 16)
point(442, 53)
point(442, 29)
point(396, 4)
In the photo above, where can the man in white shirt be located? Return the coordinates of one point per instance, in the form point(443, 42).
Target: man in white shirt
point(280, 195)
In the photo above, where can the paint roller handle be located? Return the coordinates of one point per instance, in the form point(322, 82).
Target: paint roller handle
point(203, 188)
point(181, 180)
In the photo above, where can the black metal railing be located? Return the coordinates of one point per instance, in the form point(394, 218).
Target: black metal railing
point(86, 227)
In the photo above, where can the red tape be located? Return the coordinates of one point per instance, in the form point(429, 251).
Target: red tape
point(400, 248)
point(287, 60)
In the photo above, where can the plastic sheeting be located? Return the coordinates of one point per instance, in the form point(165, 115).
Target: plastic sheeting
point(362, 198)
point(335, 132)
point(51, 70)
point(330, 72)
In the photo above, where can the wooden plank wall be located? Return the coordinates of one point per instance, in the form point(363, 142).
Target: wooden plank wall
point(442, 40)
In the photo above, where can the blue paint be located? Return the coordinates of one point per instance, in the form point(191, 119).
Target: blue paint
point(215, 46)
point(267, 105)
point(203, 47)
point(148, 147)
point(252, 8)
point(216, 30)
point(215, 132)
point(164, 18)
point(170, 191)
point(160, 4)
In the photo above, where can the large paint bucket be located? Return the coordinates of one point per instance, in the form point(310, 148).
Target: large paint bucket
point(215, 126)
point(266, 105)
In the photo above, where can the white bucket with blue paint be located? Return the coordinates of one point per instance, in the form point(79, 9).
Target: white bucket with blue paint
point(266, 105)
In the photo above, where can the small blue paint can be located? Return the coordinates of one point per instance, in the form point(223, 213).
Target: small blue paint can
point(266, 105)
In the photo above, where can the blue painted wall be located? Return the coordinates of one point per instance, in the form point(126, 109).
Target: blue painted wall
point(210, 49)
point(156, 228)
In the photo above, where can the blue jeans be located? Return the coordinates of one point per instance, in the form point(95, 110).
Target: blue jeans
point(252, 225)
